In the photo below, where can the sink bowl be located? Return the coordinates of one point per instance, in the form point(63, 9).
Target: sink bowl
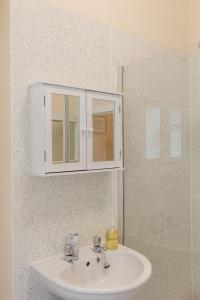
point(86, 279)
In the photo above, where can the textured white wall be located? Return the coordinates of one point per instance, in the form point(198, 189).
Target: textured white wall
point(194, 23)
point(161, 21)
point(52, 45)
point(5, 162)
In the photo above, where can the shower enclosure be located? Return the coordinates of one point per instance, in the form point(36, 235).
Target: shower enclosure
point(162, 170)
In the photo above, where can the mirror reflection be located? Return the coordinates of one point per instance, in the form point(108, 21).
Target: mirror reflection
point(103, 129)
point(65, 128)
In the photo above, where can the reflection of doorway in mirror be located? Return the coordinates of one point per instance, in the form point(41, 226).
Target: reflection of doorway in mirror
point(72, 141)
point(72, 125)
point(65, 128)
point(57, 141)
point(103, 147)
point(58, 128)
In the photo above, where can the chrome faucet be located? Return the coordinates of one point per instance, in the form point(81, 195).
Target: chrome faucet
point(100, 251)
point(71, 247)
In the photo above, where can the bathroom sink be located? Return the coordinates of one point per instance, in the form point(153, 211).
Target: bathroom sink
point(86, 279)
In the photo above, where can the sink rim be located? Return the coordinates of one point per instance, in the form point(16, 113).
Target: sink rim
point(60, 283)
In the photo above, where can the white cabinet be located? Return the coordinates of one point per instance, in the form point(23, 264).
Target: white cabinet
point(74, 130)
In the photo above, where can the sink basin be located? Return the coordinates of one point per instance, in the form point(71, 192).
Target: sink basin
point(86, 279)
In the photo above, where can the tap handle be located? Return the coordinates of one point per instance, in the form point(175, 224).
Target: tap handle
point(97, 241)
point(73, 239)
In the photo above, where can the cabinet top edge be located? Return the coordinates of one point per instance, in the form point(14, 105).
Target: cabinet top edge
point(77, 88)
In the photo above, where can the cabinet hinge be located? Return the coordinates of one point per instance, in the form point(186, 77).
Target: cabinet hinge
point(119, 109)
point(45, 155)
point(44, 100)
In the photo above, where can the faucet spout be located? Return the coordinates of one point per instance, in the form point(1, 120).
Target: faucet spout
point(70, 250)
point(99, 250)
point(101, 257)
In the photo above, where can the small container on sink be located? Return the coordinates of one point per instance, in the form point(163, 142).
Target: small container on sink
point(112, 239)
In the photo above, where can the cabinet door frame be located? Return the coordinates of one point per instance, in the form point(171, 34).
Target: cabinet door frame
point(117, 162)
point(51, 167)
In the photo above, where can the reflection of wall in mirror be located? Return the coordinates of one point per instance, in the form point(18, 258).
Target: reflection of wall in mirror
point(100, 106)
point(103, 137)
point(73, 108)
point(58, 103)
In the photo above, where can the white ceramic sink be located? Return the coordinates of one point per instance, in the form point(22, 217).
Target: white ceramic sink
point(128, 272)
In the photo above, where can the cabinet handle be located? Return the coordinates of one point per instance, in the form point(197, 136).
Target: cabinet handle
point(90, 130)
point(83, 130)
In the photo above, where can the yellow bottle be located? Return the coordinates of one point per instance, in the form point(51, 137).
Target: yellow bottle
point(112, 237)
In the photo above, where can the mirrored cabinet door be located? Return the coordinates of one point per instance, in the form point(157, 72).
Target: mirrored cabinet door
point(65, 130)
point(104, 131)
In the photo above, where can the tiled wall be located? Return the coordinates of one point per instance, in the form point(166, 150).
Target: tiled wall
point(157, 191)
point(54, 46)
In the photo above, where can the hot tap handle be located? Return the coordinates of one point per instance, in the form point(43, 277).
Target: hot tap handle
point(97, 241)
point(73, 239)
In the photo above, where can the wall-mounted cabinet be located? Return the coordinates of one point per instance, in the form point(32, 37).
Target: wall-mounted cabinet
point(74, 130)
